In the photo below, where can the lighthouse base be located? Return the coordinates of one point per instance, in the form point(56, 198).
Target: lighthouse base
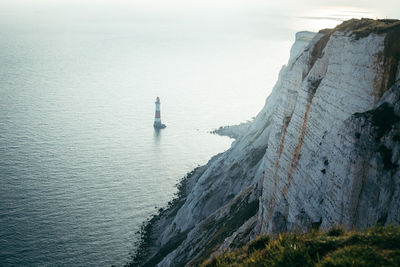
point(158, 125)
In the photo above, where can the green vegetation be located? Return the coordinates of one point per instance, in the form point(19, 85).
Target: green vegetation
point(377, 246)
point(360, 28)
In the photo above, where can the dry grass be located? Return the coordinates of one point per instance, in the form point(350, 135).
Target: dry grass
point(377, 246)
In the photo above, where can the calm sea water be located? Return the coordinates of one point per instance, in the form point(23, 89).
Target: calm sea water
point(81, 166)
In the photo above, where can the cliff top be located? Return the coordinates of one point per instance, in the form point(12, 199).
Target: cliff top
point(360, 28)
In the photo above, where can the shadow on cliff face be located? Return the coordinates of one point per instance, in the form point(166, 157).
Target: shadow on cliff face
point(144, 247)
point(377, 139)
point(217, 228)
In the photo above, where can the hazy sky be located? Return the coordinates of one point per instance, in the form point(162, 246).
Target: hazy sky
point(18, 12)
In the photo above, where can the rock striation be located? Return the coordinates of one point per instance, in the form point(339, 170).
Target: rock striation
point(324, 150)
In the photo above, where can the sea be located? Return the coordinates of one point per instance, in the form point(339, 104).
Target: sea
point(81, 166)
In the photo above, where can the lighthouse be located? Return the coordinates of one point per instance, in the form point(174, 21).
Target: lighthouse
point(157, 118)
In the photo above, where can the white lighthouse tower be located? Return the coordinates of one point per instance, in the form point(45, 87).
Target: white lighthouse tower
point(157, 118)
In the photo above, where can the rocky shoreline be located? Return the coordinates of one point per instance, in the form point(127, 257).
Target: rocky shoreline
point(140, 256)
point(233, 131)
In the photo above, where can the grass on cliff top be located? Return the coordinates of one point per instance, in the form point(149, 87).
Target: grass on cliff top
point(363, 27)
point(377, 246)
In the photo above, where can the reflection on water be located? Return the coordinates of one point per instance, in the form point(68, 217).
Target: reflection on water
point(157, 136)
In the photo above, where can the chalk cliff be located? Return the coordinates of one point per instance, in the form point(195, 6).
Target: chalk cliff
point(324, 150)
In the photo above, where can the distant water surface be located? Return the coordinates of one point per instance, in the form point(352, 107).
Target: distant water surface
point(81, 166)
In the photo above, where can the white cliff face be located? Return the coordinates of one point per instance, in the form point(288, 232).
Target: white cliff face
point(302, 40)
point(306, 130)
point(324, 150)
point(313, 171)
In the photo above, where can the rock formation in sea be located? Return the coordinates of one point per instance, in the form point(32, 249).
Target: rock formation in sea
point(324, 151)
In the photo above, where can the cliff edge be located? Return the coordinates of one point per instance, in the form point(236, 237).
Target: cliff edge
point(324, 151)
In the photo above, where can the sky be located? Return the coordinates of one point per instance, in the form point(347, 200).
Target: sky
point(18, 12)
